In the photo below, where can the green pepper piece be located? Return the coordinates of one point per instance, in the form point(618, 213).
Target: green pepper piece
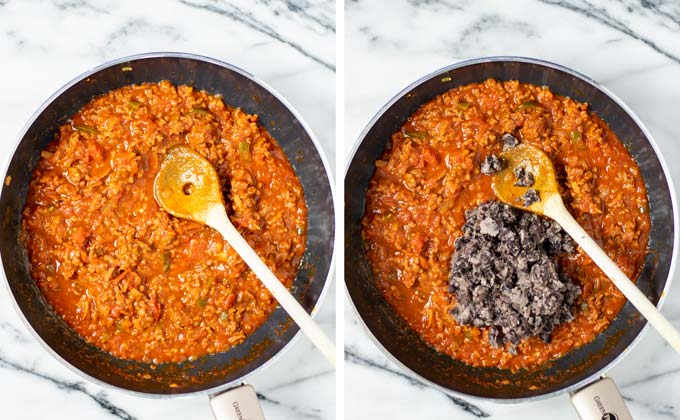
point(528, 105)
point(166, 261)
point(244, 150)
point(85, 129)
point(201, 111)
point(463, 105)
point(417, 134)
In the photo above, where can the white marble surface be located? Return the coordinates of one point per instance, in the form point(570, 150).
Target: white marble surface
point(43, 44)
point(631, 47)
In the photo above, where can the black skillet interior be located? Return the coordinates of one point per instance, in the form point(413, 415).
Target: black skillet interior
point(207, 372)
point(405, 345)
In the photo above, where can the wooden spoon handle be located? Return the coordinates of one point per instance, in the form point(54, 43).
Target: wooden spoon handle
point(553, 207)
point(218, 220)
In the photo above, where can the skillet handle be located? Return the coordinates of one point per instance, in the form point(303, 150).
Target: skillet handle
point(600, 400)
point(236, 404)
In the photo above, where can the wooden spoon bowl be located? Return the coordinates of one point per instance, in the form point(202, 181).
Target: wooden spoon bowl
point(551, 205)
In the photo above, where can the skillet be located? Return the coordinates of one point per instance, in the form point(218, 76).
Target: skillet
point(577, 369)
point(210, 373)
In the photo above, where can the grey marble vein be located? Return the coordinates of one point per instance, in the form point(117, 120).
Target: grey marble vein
point(18, 41)
point(377, 40)
point(429, 3)
point(78, 5)
point(300, 380)
point(650, 378)
point(312, 413)
point(659, 7)
point(134, 26)
point(353, 357)
point(487, 22)
point(301, 8)
point(601, 15)
point(665, 410)
point(70, 386)
point(15, 333)
point(455, 5)
point(247, 18)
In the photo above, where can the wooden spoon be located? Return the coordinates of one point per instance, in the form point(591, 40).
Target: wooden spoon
point(538, 163)
point(187, 186)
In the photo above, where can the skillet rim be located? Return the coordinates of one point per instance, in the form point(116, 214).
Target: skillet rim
point(669, 183)
point(305, 126)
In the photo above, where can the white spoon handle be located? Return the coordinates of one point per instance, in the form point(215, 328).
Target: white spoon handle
point(553, 207)
point(218, 220)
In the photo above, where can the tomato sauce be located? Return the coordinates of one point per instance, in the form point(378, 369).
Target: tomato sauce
point(123, 273)
point(429, 176)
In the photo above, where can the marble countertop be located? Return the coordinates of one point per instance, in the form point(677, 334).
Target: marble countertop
point(44, 44)
point(631, 47)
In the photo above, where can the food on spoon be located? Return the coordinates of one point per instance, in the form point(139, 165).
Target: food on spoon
point(491, 165)
point(524, 177)
point(530, 197)
point(509, 141)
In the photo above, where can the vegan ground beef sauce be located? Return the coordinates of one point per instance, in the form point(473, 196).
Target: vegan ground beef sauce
point(127, 276)
point(429, 176)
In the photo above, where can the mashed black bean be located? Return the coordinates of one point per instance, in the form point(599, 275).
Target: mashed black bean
point(524, 177)
point(506, 277)
point(509, 141)
point(491, 165)
point(530, 197)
